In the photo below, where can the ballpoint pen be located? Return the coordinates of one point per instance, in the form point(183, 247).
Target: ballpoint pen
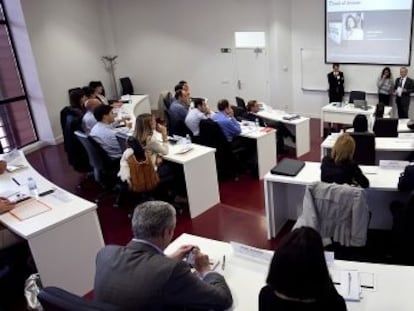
point(349, 283)
point(223, 263)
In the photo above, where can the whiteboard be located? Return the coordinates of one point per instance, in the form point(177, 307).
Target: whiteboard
point(357, 77)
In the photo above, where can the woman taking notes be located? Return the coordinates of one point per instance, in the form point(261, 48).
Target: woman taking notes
point(385, 86)
point(339, 167)
point(298, 277)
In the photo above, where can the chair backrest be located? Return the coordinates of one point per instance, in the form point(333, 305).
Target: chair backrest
point(336, 211)
point(126, 85)
point(379, 110)
point(167, 99)
point(56, 299)
point(95, 159)
point(241, 103)
point(73, 89)
point(238, 112)
point(122, 137)
point(76, 153)
point(387, 127)
point(364, 148)
point(211, 135)
point(360, 95)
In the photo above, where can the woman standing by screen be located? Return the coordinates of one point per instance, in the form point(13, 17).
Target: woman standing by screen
point(385, 86)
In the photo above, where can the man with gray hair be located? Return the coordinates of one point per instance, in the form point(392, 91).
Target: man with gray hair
point(403, 87)
point(140, 277)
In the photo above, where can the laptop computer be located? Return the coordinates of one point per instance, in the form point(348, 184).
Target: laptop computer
point(288, 167)
point(360, 103)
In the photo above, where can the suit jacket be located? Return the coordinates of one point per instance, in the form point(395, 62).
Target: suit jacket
point(138, 277)
point(336, 86)
point(408, 86)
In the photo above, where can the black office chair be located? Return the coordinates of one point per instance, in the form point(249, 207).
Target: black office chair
point(167, 99)
point(57, 299)
point(71, 90)
point(238, 112)
point(356, 95)
point(364, 148)
point(227, 158)
point(126, 86)
point(104, 168)
point(387, 127)
point(241, 103)
point(379, 110)
point(122, 137)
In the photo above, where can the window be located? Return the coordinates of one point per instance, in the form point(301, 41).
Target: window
point(16, 125)
point(250, 39)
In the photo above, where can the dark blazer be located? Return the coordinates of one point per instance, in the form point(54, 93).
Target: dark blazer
point(137, 277)
point(343, 173)
point(336, 87)
point(252, 117)
point(268, 301)
point(408, 86)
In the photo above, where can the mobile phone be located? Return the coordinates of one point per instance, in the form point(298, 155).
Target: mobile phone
point(190, 257)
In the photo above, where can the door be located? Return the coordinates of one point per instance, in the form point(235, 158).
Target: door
point(252, 74)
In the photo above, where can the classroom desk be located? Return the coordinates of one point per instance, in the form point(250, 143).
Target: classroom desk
point(284, 195)
point(199, 165)
point(64, 240)
point(402, 126)
point(299, 127)
point(139, 104)
point(394, 286)
point(265, 146)
point(386, 148)
point(346, 114)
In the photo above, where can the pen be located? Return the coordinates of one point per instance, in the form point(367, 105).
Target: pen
point(15, 181)
point(46, 192)
point(224, 262)
point(349, 283)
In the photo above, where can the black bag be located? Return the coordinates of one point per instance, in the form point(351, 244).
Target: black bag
point(406, 180)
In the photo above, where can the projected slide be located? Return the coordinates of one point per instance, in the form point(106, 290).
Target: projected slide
point(368, 31)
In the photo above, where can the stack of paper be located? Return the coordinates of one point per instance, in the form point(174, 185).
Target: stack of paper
point(251, 253)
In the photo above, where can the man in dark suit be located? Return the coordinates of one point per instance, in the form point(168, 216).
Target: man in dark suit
point(336, 82)
point(140, 277)
point(403, 87)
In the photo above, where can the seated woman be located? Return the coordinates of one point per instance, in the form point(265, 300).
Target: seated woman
point(360, 124)
point(298, 277)
point(339, 167)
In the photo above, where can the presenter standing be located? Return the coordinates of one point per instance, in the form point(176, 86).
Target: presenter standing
point(336, 84)
point(385, 86)
point(404, 86)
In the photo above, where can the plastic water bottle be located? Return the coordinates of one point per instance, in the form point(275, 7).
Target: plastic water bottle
point(256, 122)
point(188, 139)
point(31, 184)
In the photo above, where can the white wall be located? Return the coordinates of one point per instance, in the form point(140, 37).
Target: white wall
point(67, 40)
point(161, 42)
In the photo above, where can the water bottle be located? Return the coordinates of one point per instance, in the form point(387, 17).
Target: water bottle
point(256, 122)
point(187, 139)
point(31, 184)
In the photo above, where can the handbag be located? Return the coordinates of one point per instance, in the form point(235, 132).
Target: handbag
point(144, 178)
point(406, 180)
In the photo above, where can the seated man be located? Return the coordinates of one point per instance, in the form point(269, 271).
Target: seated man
point(89, 120)
point(178, 111)
point(200, 112)
point(103, 132)
point(282, 131)
point(225, 118)
point(140, 277)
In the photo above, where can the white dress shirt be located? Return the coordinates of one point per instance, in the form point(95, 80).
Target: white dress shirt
point(88, 122)
point(193, 118)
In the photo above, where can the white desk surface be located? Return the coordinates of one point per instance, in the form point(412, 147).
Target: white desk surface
point(402, 126)
point(394, 286)
point(381, 143)
point(196, 151)
point(349, 108)
point(277, 115)
point(383, 179)
point(60, 212)
point(251, 131)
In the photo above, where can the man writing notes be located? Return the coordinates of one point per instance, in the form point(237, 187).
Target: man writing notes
point(139, 276)
point(336, 84)
point(404, 86)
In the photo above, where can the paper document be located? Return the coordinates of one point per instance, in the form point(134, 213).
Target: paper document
point(406, 135)
point(370, 170)
point(28, 209)
point(393, 164)
point(251, 253)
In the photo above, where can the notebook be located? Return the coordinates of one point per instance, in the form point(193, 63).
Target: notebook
point(288, 167)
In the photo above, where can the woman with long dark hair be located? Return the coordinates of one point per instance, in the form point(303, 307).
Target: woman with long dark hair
point(298, 277)
point(385, 86)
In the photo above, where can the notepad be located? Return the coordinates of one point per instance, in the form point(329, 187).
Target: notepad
point(251, 253)
point(28, 209)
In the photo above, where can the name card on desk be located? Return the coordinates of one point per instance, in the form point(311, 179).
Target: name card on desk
point(251, 253)
point(405, 135)
point(393, 164)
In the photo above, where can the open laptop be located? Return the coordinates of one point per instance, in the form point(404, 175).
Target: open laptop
point(288, 167)
point(360, 103)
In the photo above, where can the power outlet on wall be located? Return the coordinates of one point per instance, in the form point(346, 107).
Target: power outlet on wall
point(225, 50)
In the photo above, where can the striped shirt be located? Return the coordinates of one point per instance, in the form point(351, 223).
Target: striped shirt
point(385, 86)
